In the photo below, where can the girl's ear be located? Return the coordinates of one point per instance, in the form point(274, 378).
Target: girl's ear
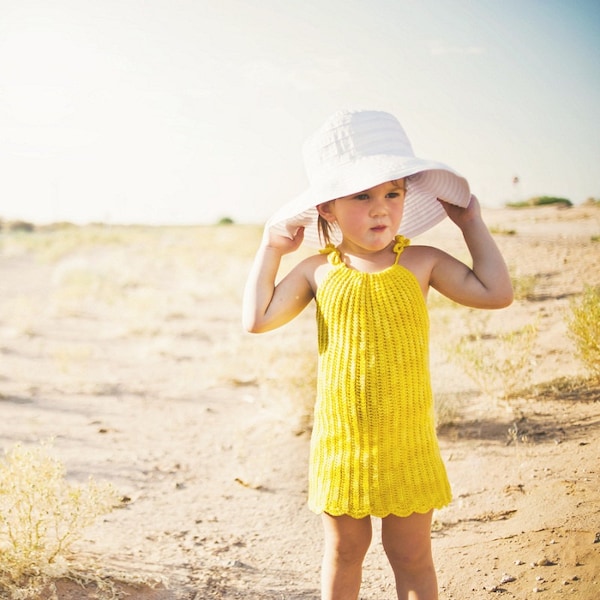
point(326, 211)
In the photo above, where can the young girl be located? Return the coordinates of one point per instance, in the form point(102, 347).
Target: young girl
point(374, 452)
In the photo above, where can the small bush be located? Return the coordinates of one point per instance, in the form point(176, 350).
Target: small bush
point(21, 226)
point(41, 515)
point(540, 201)
point(546, 200)
point(447, 408)
point(498, 364)
point(494, 229)
point(290, 380)
point(584, 328)
point(523, 286)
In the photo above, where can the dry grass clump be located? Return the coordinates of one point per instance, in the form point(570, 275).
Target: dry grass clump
point(447, 407)
point(572, 389)
point(41, 516)
point(499, 364)
point(584, 328)
point(282, 365)
point(524, 286)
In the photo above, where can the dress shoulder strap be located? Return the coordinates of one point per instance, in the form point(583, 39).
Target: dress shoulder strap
point(401, 243)
point(334, 256)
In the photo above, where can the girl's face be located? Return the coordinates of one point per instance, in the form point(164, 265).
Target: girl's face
point(368, 220)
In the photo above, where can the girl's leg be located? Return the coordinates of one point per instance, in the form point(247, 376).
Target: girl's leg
point(346, 543)
point(407, 543)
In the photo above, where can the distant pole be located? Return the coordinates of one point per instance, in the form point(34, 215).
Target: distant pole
point(516, 182)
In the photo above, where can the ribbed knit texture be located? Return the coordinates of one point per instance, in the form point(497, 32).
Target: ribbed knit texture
point(374, 449)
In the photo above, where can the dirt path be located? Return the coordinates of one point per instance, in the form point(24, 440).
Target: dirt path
point(131, 357)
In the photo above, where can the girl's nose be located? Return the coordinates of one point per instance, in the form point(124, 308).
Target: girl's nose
point(378, 205)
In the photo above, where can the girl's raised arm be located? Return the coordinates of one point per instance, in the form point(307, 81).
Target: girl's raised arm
point(487, 284)
point(267, 306)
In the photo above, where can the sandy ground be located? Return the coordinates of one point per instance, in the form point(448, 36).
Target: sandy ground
point(125, 348)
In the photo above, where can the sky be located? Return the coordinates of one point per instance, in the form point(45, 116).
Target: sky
point(190, 111)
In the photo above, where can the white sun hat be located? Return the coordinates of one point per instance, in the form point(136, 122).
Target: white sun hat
point(356, 150)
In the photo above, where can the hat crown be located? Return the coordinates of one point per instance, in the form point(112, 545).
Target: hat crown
point(349, 136)
point(356, 150)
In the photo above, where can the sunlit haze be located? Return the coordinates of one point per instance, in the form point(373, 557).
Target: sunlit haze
point(187, 111)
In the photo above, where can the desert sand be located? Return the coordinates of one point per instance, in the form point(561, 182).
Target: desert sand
point(124, 346)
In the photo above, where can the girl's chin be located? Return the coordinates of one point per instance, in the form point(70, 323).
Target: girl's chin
point(381, 236)
point(378, 245)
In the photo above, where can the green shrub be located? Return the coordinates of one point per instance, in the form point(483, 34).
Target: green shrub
point(546, 200)
point(21, 226)
point(584, 328)
point(540, 201)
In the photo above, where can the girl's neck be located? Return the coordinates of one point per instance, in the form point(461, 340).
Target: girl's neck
point(365, 260)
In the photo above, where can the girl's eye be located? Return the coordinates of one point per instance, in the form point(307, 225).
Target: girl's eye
point(395, 194)
point(361, 197)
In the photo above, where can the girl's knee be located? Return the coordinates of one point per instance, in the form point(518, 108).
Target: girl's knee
point(347, 549)
point(407, 542)
point(350, 551)
point(408, 558)
point(346, 539)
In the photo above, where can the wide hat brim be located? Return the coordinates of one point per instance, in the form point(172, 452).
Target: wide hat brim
point(426, 182)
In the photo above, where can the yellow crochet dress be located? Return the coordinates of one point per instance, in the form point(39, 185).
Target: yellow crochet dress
point(374, 450)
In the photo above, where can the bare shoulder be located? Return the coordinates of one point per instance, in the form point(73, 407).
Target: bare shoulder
point(420, 257)
point(311, 269)
point(312, 263)
point(421, 261)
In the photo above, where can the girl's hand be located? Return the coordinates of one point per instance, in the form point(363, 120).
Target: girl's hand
point(282, 243)
point(462, 216)
point(487, 283)
point(269, 304)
